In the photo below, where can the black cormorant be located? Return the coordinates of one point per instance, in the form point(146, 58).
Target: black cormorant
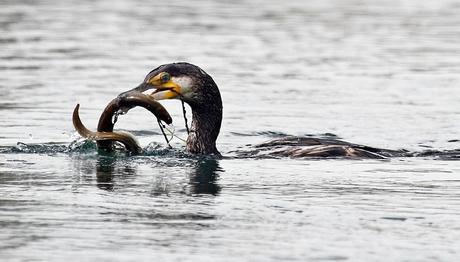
point(195, 87)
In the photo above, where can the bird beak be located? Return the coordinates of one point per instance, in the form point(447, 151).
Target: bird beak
point(164, 90)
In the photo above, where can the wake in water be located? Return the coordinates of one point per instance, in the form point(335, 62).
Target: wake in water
point(274, 148)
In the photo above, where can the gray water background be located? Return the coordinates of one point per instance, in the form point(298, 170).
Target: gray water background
point(380, 73)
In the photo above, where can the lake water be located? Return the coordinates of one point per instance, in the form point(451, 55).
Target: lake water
point(380, 73)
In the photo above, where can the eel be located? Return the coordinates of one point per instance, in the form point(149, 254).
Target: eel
point(105, 136)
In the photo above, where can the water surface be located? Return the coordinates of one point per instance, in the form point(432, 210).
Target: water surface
point(380, 73)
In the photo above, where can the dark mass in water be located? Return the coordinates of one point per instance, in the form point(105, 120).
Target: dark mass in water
point(195, 87)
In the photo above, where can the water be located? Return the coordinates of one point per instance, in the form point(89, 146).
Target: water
point(381, 73)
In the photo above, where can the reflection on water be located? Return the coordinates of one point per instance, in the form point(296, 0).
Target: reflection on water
point(204, 177)
point(105, 171)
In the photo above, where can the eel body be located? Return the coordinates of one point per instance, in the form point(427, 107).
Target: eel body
point(105, 136)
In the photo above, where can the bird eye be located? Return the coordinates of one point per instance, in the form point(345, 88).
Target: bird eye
point(165, 77)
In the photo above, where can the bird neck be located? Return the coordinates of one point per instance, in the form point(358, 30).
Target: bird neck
point(206, 122)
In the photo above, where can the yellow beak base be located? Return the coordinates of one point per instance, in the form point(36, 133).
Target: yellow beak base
point(164, 90)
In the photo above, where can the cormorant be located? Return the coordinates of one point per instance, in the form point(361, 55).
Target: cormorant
point(195, 87)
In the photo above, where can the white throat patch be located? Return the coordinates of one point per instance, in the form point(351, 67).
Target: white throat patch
point(185, 84)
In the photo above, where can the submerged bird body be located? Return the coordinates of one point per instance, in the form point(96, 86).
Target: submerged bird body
point(294, 146)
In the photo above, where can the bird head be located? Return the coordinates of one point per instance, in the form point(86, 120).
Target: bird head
point(178, 81)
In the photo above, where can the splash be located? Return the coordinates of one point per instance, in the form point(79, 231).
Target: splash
point(87, 147)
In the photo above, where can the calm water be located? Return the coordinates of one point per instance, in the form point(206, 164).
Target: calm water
point(381, 73)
